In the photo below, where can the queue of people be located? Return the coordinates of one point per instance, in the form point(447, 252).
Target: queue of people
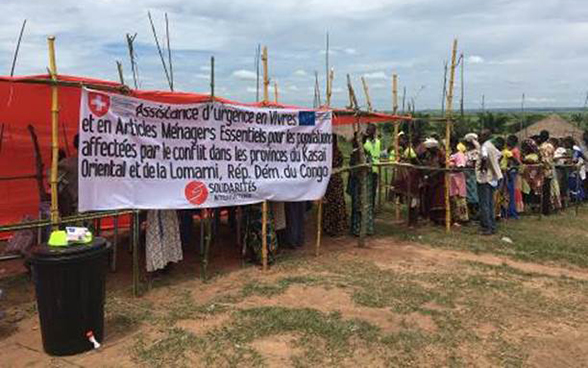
point(489, 179)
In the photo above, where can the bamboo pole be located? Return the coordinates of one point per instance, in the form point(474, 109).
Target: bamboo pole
point(396, 143)
point(330, 78)
point(206, 245)
point(367, 94)
point(352, 98)
point(130, 40)
point(169, 54)
point(167, 76)
point(449, 111)
point(363, 174)
point(319, 231)
point(264, 235)
point(264, 205)
point(276, 91)
point(265, 76)
point(320, 201)
point(54, 134)
point(135, 236)
point(212, 77)
point(24, 23)
point(121, 77)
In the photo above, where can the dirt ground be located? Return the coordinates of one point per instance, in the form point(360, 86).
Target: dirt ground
point(392, 303)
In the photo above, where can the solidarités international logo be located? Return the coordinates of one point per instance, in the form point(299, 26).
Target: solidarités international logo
point(196, 192)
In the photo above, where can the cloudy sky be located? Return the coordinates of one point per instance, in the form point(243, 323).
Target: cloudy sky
point(511, 46)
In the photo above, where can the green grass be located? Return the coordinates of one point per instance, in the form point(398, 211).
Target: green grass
point(456, 300)
point(561, 238)
point(257, 287)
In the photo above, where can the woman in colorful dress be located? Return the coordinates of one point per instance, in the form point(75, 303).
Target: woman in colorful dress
point(531, 174)
point(252, 237)
point(457, 187)
point(335, 212)
point(354, 191)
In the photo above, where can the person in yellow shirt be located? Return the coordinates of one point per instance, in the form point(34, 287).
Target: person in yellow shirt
point(373, 147)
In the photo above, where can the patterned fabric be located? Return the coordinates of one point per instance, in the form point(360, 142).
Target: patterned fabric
point(163, 239)
point(471, 182)
point(457, 181)
point(546, 154)
point(279, 214)
point(253, 216)
point(354, 188)
point(354, 191)
point(459, 209)
point(335, 211)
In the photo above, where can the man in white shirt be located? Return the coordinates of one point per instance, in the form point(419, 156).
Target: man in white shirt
point(488, 174)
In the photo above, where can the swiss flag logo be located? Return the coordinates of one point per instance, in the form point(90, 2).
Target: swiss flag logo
point(99, 103)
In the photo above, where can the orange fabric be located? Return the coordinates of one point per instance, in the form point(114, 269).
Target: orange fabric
point(26, 103)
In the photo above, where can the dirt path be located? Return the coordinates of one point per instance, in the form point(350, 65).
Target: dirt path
point(388, 304)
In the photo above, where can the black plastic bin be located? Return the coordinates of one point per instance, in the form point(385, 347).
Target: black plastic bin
point(70, 288)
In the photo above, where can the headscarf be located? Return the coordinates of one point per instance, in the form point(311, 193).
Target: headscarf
point(431, 143)
point(531, 145)
point(471, 137)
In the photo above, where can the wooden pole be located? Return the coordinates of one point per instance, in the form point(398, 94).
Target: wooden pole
point(169, 81)
point(317, 90)
point(448, 116)
point(461, 94)
point(444, 94)
point(24, 23)
point(130, 40)
point(135, 236)
point(327, 87)
point(257, 59)
point(367, 94)
point(265, 76)
point(363, 174)
point(352, 98)
point(212, 77)
point(169, 54)
point(54, 134)
point(330, 77)
point(264, 203)
point(396, 143)
point(121, 77)
point(264, 235)
point(319, 228)
point(276, 91)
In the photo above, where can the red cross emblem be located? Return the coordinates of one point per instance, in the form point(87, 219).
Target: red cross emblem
point(99, 103)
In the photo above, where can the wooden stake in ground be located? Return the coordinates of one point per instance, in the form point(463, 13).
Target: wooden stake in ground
point(448, 123)
point(264, 206)
point(54, 134)
point(396, 142)
point(264, 235)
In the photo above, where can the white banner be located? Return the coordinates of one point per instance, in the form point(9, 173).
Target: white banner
point(135, 153)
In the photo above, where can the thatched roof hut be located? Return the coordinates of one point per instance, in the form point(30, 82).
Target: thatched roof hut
point(555, 125)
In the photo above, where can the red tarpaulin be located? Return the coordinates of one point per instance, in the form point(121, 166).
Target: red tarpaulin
point(24, 103)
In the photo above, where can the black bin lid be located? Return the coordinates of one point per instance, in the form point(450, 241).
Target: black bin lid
point(45, 253)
